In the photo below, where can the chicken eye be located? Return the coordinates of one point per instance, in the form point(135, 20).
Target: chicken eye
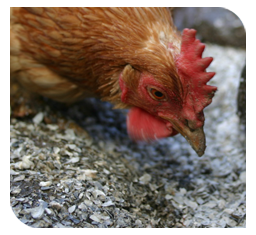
point(158, 95)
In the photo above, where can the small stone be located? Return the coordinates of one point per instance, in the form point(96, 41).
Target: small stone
point(229, 221)
point(15, 190)
point(25, 163)
point(45, 188)
point(59, 225)
point(200, 200)
point(145, 179)
point(187, 223)
point(96, 193)
point(183, 191)
point(38, 118)
point(52, 127)
point(87, 174)
point(229, 210)
point(153, 187)
point(82, 206)
point(221, 203)
point(205, 222)
point(81, 195)
point(108, 203)
point(88, 202)
point(19, 178)
point(76, 221)
point(242, 176)
point(95, 217)
point(72, 209)
point(73, 160)
point(138, 222)
point(190, 203)
point(70, 134)
point(12, 172)
point(48, 211)
point(38, 212)
point(210, 204)
point(45, 184)
point(168, 197)
point(56, 150)
point(106, 171)
point(55, 205)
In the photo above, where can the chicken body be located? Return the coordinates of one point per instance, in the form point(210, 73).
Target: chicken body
point(127, 56)
point(69, 53)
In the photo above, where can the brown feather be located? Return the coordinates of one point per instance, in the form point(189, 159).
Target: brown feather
point(70, 53)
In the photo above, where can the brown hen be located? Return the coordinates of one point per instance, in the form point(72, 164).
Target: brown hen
point(132, 57)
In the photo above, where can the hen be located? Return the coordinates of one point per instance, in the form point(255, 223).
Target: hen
point(132, 57)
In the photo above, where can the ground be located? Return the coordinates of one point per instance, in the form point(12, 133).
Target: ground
point(75, 166)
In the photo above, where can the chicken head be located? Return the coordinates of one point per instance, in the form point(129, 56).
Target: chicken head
point(157, 111)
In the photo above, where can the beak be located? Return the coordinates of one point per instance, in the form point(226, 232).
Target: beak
point(195, 137)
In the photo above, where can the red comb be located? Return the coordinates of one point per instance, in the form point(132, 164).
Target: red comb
point(191, 69)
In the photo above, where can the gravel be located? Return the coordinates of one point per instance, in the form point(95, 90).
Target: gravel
point(74, 166)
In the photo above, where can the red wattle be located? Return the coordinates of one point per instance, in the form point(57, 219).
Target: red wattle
point(143, 126)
